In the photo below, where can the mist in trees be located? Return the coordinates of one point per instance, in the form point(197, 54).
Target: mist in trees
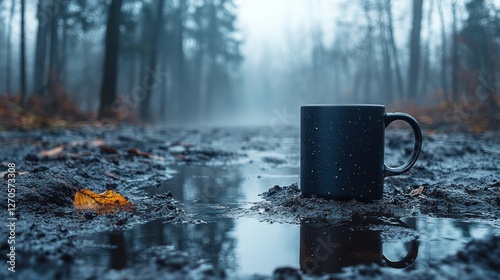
point(181, 62)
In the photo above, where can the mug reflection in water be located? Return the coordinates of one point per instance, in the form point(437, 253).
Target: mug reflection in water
point(329, 249)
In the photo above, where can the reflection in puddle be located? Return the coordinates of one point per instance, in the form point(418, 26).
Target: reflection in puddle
point(329, 249)
point(245, 246)
point(118, 250)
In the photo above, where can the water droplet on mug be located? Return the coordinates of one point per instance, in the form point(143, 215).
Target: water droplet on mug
point(336, 163)
point(370, 118)
point(315, 128)
point(336, 177)
point(350, 155)
point(340, 169)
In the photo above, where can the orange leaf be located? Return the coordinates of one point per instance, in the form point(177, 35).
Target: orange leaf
point(108, 202)
point(140, 153)
point(52, 152)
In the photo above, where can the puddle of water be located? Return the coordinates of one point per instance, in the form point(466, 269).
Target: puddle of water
point(245, 246)
point(216, 184)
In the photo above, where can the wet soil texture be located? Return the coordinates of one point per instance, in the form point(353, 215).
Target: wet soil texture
point(206, 198)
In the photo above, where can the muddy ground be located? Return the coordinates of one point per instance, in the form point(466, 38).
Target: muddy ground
point(457, 176)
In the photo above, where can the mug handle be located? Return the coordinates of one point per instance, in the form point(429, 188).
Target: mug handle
point(409, 258)
point(417, 133)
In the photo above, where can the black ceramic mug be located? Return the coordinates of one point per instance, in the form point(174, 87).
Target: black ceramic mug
point(342, 150)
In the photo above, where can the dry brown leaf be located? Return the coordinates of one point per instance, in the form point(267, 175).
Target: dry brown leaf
point(417, 191)
point(108, 202)
point(108, 150)
point(54, 152)
point(138, 152)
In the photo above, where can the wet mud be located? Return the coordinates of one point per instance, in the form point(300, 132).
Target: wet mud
point(456, 177)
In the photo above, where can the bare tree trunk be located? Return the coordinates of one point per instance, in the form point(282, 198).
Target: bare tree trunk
point(203, 75)
point(8, 74)
point(22, 69)
point(415, 50)
point(386, 83)
point(454, 53)
point(164, 90)
point(112, 41)
point(399, 76)
point(53, 73)
point(444, 62)
point(132, 69)
point(40, 50)
point(151, 83)
point(64, 45)
point(179, 100)
point(424, 85)
point(368, 56)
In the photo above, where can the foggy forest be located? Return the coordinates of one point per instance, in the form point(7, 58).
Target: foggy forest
point(184, 62)
point(250, 139)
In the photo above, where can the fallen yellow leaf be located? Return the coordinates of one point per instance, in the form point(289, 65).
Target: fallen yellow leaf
point(108, 202)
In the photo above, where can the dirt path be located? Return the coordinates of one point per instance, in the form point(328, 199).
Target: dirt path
point(457, 176)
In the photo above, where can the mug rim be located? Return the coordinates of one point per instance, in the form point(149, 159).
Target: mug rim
point(343, 105)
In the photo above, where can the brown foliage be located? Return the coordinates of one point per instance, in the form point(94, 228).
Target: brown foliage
point(468, 115)
point(38, 112)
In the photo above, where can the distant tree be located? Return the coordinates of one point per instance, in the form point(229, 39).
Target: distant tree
point(481, 36)
point(8, 55)
point(178, 60)
point(454, 52)
point(426, 56)
point(22, 68)
point(216, 52)
point(112, 43)
point(149, 82)
point(53, 73)
point(414, 66)
point(394, 49)
point(40, 48)
point(444, 52)
point(368, 62)
point(386, 83)
point(3, 28)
